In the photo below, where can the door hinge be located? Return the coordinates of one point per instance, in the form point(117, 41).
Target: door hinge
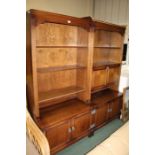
point(69, 130)
point(109, 110)
point(93, 111)
point(73, 128)
point(92, 126)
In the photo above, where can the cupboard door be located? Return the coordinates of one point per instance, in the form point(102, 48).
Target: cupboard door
point(81, 125)
point(113, 75)
point(101, 115)
point(115, 107)
point(59, 134)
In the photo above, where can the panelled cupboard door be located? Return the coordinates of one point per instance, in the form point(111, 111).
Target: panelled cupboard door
point(81, 125)
point(114, 107)
point(59, 134)
point(101, 115)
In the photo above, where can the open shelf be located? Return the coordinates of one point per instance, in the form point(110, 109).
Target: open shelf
point(109, 47)
point(63, 111)
point(104, 64)
point(105, 96)
point(99, 88)
point(60, 68)
point(40, 46)
point(57, 94)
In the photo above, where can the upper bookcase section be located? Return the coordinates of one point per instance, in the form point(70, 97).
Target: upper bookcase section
point(48, 17)
point(41, 17)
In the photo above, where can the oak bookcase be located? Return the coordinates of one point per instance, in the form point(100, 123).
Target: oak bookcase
point(73, 71)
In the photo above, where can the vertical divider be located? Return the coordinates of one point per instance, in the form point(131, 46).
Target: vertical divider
point(34, 67)
point(86, 96)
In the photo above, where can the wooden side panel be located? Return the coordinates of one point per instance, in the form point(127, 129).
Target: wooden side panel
point(56, 80)
point(31, 66)
point(58, 135)
point(102, 38)
point(99, 78)
point(81, 125)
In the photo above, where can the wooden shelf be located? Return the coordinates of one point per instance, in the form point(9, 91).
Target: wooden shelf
point(109, 47)
point(99, 88)
point(60, 68)
point(39, 46)
point(105, 96)
point(57, 94)
point(65, 110)
point(104, 64)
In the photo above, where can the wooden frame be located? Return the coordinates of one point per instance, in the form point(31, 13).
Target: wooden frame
point(69, 60)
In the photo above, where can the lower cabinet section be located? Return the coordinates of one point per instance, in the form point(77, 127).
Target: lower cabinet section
point(64, 133)
point(59, 134)
point(114, 108)
point(101, 115)
point(81, 125)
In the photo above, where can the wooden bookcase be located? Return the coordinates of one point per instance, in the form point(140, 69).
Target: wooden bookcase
point(73, 71)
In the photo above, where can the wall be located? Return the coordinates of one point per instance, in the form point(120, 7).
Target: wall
point(78, 8)
point(113, 11)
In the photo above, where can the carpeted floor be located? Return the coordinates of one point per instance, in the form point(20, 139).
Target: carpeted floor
point(86, 144)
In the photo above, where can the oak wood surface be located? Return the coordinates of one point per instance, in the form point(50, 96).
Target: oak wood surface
point(72, 66)
point(56, 94)
point(65, 111)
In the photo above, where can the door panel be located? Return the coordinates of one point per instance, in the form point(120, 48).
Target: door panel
point(81, 125)
point(101, 115)
point(59, 134)
point(115, 108)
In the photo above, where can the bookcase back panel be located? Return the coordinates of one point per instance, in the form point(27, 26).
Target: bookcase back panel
point(100, 55)
point(99, 78)
point(53, 57)
point(115, 55)
point(102, 38)
point(50, 34)
point(56, 80)
point(82, 56)
point(116, 39)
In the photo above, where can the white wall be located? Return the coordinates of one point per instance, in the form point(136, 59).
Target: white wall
point(77, 8)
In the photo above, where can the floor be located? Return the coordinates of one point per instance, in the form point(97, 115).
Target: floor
point(86, 144)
